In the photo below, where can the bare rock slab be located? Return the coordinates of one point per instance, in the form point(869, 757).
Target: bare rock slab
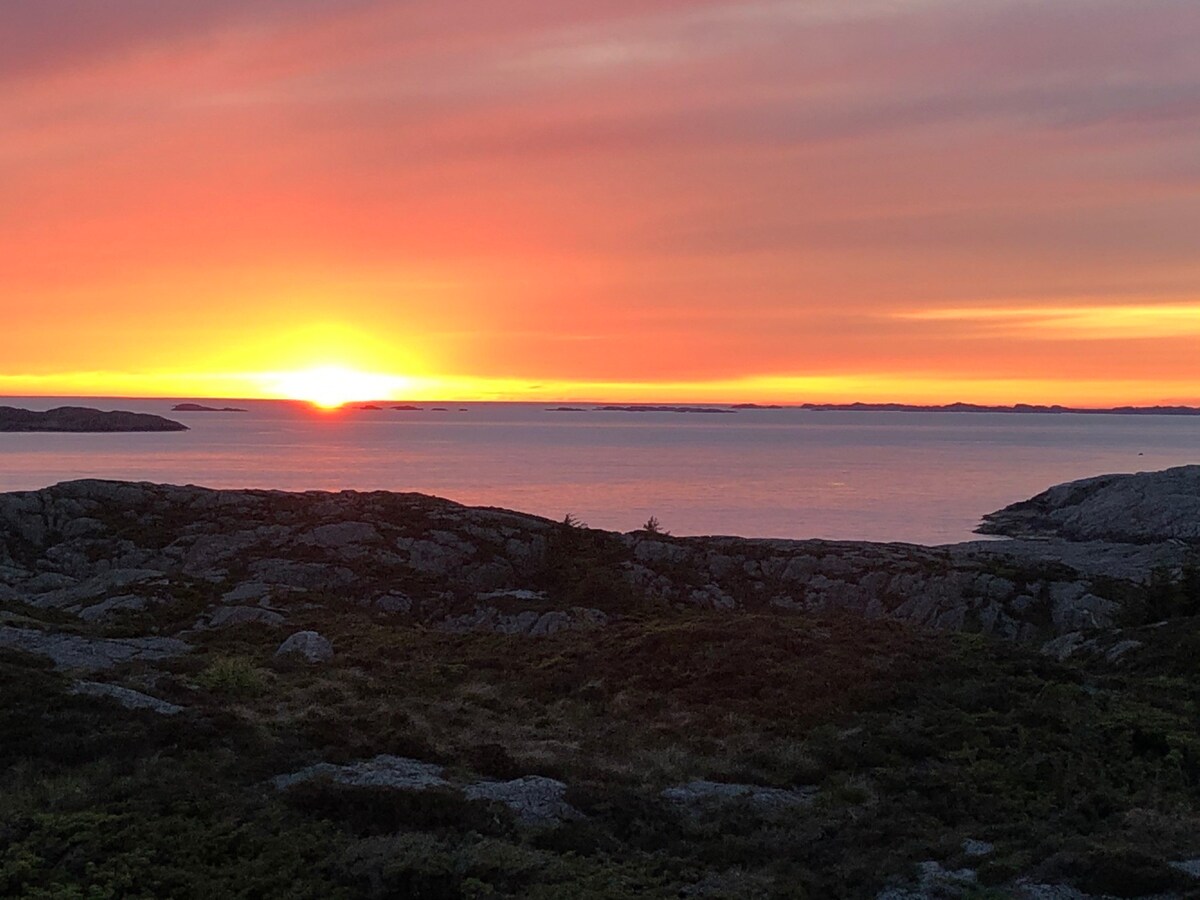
point(534, 799)
point(130, 699)
point(71, 651)
point(396, 772)
point(700, 794)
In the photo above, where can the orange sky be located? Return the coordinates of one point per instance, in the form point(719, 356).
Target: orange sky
point(988, 200)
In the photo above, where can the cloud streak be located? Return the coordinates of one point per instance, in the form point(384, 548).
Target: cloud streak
point(1082, 322)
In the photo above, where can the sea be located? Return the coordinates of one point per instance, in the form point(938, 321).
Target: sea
point(915, 477)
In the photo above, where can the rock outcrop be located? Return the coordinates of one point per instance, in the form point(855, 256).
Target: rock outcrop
point(1148, 507)
point(71, 651)
point(126, 697)
point(533, 799)
point(395, 772)
point(698, 796)
point(114, 552)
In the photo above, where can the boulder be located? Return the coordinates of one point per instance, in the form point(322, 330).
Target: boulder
point(393, 603)
point(308, 645)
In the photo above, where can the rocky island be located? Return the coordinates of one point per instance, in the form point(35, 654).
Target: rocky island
point(392, 695)
point(199, 407)
point(664, 409)
point(82, 419)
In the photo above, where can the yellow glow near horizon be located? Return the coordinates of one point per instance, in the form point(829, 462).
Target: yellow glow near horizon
point(332, 386)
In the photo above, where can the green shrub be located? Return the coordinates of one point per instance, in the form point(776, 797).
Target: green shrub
point(233, 676)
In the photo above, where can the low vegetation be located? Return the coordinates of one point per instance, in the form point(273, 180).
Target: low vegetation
point(910, 742)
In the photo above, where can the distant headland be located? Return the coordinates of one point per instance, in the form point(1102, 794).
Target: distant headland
point(1016, 408)
point(82, 419)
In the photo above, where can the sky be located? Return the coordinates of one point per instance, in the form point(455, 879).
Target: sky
point(768, 200)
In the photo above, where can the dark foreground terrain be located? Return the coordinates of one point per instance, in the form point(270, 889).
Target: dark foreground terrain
point(259, 694)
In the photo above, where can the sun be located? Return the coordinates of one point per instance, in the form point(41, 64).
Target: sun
point(329, 387)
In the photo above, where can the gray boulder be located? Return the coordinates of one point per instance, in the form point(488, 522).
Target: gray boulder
point(308, 645)
point(393, 603)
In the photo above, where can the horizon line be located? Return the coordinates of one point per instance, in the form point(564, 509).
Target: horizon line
point(1195, 404)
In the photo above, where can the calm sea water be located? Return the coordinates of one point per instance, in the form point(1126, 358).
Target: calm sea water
point(923, 478)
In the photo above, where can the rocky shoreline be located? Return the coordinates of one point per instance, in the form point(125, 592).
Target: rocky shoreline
point(97, 549)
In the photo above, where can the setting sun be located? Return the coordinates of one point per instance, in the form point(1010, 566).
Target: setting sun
point(332, 386)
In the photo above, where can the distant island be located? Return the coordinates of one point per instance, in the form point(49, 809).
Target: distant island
point(756, 406)
point(198, 407)
point(665, 409)
point(1016, 408)
point(370, 407)
point(566, 409)
point(406, 408)
point(82, 419)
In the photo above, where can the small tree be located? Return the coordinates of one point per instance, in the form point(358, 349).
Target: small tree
point(653, 526)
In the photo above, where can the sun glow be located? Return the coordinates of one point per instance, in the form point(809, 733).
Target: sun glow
point(332, 386)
